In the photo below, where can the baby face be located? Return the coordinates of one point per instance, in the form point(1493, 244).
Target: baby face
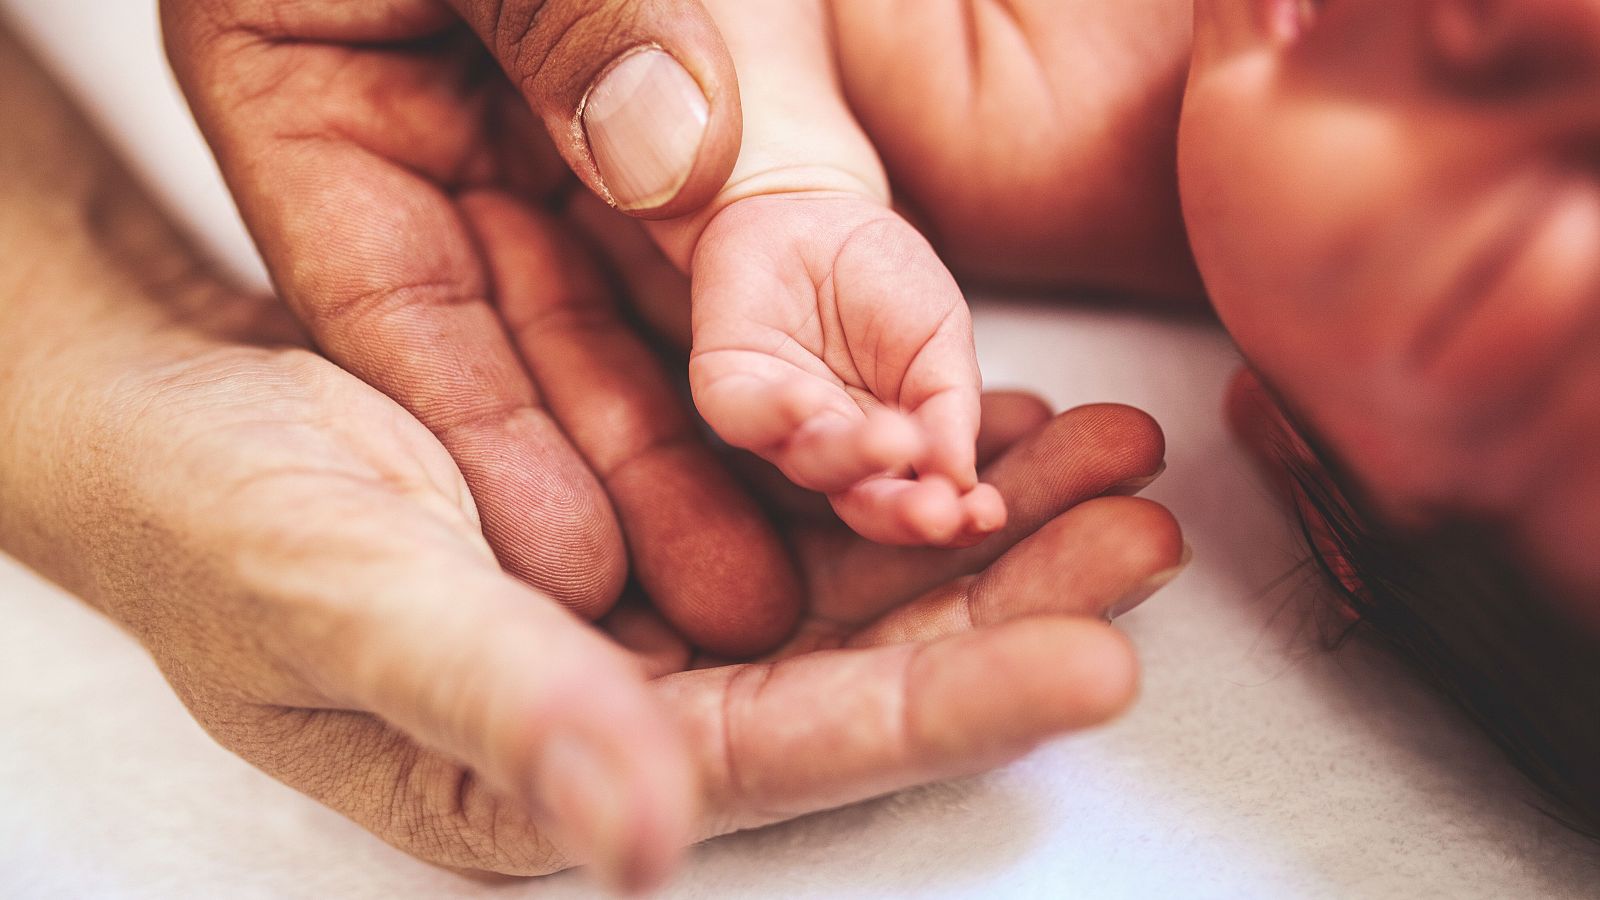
point(1396, 207)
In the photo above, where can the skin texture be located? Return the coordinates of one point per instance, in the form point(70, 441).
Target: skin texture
point(1027, 184)
point(360, 140)
point(1431, 309)
point(380, 122)
point(304, 560)
point(818, 312)
point(1045, 154)
point(828, 337)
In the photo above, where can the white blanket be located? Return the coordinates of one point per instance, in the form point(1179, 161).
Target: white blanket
point(1255, 765)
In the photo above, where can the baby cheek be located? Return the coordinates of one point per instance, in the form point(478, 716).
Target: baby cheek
point(1507, 348)
point(1291, 234)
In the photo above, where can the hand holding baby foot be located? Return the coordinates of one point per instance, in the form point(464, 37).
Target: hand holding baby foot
point(830, 340)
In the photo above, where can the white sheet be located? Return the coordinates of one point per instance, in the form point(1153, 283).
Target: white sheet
point(1255, 766)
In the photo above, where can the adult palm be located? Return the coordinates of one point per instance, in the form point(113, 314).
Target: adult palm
point(356, 138)
point(327, 607)
point(393, 179)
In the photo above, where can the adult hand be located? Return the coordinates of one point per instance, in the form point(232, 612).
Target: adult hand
point(305, 567)
point(910, 665)
point(305, 563)
point(356, 136)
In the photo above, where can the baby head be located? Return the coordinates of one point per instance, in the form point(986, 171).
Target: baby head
point(1396, 208)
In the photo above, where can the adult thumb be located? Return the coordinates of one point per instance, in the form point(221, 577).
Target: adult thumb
point(640, 96)
point(472, 663)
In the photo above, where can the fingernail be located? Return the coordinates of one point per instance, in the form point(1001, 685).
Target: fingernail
point(1135, 485)
point(586, 804)
point(645, 118)
point(1150, 586)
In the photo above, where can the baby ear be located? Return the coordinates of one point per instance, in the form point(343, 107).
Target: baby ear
point(1506, 48)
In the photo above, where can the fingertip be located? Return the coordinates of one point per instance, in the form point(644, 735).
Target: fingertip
point(1130, 435)
point(1093, 674)
point(984, 512)
point(950, 422)
point(662, 835)
point(717, 150)
point(985, 508)
point(816, 450)
point(825, 454)
point(1080, 454)
point(1013, 412)
point(612, 779)
point(753, 413)
point(640, 838)
point(1104, 670)
point(1001, 690)
point(643, 102)
point(1146, 536)
point(932, 510)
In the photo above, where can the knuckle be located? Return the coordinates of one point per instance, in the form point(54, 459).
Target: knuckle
point(486, 834)
point(553, 48)
point(420, 802)
point(429, 810)
point(738, 795)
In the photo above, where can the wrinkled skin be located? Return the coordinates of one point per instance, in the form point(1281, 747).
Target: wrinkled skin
point(304, 560)
point(327, 609)
point(1043, 154)
point(366, 144)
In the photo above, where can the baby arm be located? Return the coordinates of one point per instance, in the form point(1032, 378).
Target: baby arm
point(828, 337)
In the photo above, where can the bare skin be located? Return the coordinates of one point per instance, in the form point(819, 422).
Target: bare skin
point(1031, 139)
point(1394, 205)
point(356, 138)
point(1431, 309)
point(1435, 154)
point(305, 562)
point(1028, 139)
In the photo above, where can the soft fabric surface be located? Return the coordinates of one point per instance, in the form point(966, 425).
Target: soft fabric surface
point(1256, 764)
